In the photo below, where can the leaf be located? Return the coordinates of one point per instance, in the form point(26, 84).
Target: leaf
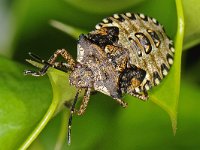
point(192, 21)
point(140, 126)
point(74, 32)
point(144, 126)
point(95, 6)
point(23, 102)
point(167, 95)
point(62, 93)
point(53, 136)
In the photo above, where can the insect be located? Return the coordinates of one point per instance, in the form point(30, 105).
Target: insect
point(126, 54)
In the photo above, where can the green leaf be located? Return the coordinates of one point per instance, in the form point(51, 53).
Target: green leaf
point(167, 95)
point(140, 126)
point(54, 134)
point(62, 93)
point(192, 21)
point(23, 102)
point(95, 6)
point(72, 31)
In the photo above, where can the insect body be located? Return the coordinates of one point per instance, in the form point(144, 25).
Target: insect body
point(126, 53)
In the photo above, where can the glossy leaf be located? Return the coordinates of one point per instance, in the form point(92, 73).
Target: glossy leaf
point(62, 93)
point(23, 102)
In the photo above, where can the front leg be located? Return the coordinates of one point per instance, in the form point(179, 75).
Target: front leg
point(70, 61)
point(51, 62)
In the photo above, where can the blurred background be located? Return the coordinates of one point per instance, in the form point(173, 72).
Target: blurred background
point(25, 26)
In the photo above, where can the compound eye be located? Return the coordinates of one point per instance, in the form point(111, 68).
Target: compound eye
point(78, 65)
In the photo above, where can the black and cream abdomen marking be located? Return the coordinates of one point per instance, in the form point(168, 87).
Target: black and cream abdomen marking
point(146, 43)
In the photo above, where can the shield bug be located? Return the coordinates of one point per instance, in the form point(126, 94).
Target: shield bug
point(126, 53)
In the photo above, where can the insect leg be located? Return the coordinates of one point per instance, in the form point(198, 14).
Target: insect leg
point(51, 62)
point(59, 65)
point(121, 102)
point(39, 60)
point(143, 95)
point(84, 102)
point(37, 73)
point(70, 117)
point(65, 55)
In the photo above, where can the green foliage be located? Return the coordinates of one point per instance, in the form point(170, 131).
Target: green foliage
point(192, 21)
point(28, 104)
point(19, 101)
